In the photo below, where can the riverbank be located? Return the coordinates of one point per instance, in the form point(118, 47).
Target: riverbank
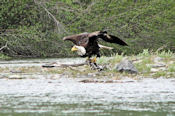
point(149, 65)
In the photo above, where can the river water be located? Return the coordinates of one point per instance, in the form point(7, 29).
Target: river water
point(68, 97)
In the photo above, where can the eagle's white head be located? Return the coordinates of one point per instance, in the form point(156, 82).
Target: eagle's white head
point(79, 49)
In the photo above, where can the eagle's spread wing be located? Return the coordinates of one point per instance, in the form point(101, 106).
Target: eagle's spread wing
point(112, 39)
point(78, 39)
point(83, 39)
point(106, 37)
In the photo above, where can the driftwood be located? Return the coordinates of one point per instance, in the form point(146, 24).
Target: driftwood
point(60, 27)
point(93, 66)
point(64, 65)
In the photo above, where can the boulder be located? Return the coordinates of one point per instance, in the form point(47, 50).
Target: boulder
point(126, 66)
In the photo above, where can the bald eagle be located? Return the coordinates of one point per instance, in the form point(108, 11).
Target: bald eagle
point(86, 44)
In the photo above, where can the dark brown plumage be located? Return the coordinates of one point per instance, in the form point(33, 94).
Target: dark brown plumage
point(90, 41)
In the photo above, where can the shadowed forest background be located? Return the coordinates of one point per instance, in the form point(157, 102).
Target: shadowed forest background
point(35, 28)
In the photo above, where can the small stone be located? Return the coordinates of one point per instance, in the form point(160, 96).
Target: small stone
point(159, 65)
point(16, 71)
point(158, 59)
point(91, 74)
point(156, 65)
point(3, 76)
point(15, 77)
point(126, 66)
point(171, 62)
point(158, 69)
point(137, 61)
point(154, 69)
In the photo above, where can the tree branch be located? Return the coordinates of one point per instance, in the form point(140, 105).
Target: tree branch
point(63, 65)
point(3, 46)
point(60, 27)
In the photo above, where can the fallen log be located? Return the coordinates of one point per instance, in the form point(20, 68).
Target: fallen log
point(63, 65)
point(93, 66)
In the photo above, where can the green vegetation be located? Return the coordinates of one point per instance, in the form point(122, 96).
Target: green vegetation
point(35, 28)
point(2, 56)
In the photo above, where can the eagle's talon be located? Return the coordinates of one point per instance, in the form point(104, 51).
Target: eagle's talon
point(94, 66)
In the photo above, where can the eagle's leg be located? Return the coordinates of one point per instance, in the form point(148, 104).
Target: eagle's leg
point(94, 60)
point(93, 64)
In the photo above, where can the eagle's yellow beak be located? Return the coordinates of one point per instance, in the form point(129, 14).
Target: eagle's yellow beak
point(74, 49)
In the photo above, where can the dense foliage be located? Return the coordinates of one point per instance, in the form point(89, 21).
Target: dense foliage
point(34, 28)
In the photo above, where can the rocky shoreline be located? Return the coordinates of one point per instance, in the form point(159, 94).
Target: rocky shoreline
point(148, 66)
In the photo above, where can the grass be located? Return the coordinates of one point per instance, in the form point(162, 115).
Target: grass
point(165, 54)
point(4, 57)
point(145, 53)
point(160, 74)
point(171, 68)
point(103, 60)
